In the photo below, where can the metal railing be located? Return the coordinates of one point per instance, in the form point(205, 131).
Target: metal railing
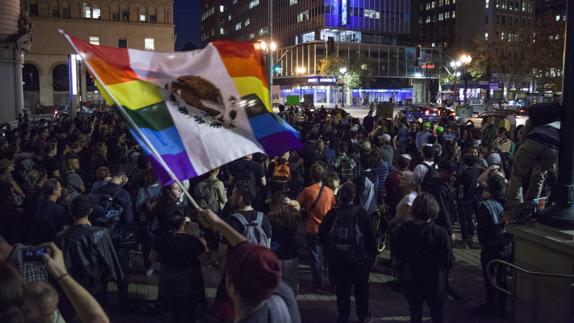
point(491, 274)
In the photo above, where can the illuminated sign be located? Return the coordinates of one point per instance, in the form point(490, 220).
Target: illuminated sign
point(322, 80)
point(428, 66)
point(343, 12)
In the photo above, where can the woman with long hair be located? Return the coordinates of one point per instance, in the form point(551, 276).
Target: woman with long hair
point(284, 217)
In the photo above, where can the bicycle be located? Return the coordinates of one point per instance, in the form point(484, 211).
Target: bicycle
point(381, 229)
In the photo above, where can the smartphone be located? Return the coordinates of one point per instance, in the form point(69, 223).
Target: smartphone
point(33, 254)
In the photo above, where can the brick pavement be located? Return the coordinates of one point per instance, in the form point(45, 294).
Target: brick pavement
point(386, 304)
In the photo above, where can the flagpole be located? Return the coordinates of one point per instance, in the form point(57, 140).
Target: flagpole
point(134, 126)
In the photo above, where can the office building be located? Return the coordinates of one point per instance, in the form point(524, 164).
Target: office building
point(135, 24)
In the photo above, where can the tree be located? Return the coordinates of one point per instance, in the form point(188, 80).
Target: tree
point(507, 58)
point(357, 75)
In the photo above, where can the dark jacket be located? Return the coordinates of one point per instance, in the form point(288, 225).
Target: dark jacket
point(364, 224)
point(466, 184)
point(90, 256)
point(490, 230)
point(442, 193)
point(427, 247)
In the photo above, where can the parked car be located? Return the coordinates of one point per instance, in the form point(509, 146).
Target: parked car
point(516, 117)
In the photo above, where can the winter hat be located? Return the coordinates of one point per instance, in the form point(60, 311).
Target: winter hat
point(494, 159)
point(254, 271)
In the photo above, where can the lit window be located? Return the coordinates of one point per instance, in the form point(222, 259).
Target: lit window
point(253, 3)
point(373, 14)
point(96, 13)
point(303, 16)
point(485, 36)
point(149, 44)
point(558, 18)
point(432, 4)
point(94, 40)
point(502, 36)
point(142, 17)
point(221, 8)
point(447, 15)
point(487, 4)
point(221, 31)
point(229, 18)
point(238, 26)
point(440, 17)
point(87, 11)
point(251, 36)
point(453, 14)
point(247, 22)
point(292, 2)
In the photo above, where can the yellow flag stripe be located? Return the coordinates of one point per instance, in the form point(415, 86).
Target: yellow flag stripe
point(246, 85)
point(135, 94)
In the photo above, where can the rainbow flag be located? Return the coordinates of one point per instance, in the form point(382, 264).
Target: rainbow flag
point(199, 109)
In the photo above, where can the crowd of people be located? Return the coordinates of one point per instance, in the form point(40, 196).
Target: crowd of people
point(78, 196)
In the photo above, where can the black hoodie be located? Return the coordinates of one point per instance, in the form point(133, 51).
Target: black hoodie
point(440, 190)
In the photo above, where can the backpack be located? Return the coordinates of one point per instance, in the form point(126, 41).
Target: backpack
point(106, 212)
point(207, 196)
point(281, 171)
point(346, 170)
point(346, 239)
point(252, 231)
point(280, 177)
point(432, 173)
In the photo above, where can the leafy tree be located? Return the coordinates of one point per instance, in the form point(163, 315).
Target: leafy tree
point(358, 72)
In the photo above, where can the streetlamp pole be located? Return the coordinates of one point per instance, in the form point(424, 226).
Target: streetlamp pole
point(271, 51)
point(561, 215)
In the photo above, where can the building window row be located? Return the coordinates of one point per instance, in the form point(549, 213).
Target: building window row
point(515, 5)
point(512, 20)
point(86, 10)
point(440, 17)
point(149, 43)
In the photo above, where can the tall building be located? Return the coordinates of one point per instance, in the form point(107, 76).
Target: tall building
point(454, 25)
point(309, 31)
point(146, 25)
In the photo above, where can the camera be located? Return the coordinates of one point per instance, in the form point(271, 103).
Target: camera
point(34, 254)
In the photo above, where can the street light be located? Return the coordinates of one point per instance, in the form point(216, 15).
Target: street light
point(300, 70)
point(465, 60)
point(268, 48)
point(343, 71)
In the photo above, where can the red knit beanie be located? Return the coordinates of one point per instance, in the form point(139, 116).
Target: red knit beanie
point(254, 271)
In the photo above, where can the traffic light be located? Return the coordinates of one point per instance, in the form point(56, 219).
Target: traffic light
point(276, 68)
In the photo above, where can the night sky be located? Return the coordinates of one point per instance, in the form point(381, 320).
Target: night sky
point(187, 15)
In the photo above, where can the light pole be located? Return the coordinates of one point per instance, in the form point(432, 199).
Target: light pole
point(465, 59)
point(455, 65)
point(268, 48)
point(343, 71)
point(300, 70)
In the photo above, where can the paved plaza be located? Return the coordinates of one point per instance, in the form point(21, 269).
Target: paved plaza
point(386, 304)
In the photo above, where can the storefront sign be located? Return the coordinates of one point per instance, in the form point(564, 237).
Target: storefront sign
point(322, 80)
point(494, 86)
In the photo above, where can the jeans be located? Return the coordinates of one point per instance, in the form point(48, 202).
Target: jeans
point(356, 278)
point(315, 253)
point(530, 155)
point(289, 273)
point(495, 299)
point(465, 216)
point(416, 308)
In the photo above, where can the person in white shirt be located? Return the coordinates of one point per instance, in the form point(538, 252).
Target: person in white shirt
point(421, 169)
point(408, 185)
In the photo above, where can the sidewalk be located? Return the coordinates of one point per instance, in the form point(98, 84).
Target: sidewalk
point(386, 304)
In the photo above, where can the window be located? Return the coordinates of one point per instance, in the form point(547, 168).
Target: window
point(253, 3)
point(122, 43)
point(440, 16)
point(502, 36)
point(94, 40)
point(221, 8)
point(263, 31)
point(292, 2)
point(453, 14)
point(55, 13)
point(142, 18)
point(229, 18)
point(34, 8)
point(251, 36)
point(221, 31)
point(96, 13)
point(247, 22)
point(238, 26)
point(153, 19)
point(126, 14)
point(486, 20)
point(447, 15)
point(373, 14)
point(558, 18)
point(149, 44)
point(303, 16)
point(485, 36)
point(487, 4)
point(66, 10)
point(86, 11)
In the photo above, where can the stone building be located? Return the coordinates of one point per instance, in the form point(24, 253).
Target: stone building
point(138, 24)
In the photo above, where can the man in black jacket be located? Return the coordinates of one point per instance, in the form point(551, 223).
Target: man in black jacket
point(347, 234)
point(88, 251)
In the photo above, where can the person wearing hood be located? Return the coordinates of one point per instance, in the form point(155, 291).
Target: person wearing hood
point(423, 250)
